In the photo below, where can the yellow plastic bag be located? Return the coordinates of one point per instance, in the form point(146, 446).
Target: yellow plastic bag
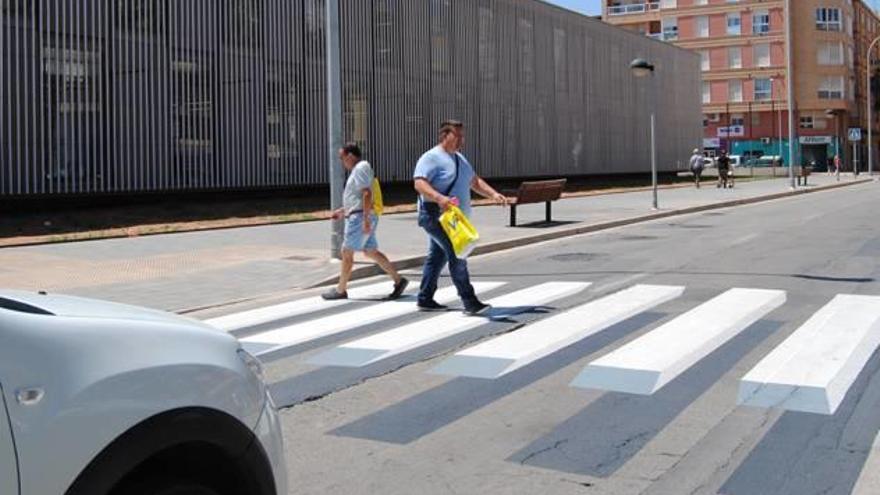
point(460, 230)
point(378, 204)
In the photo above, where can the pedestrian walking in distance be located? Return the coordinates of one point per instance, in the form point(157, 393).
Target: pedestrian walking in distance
point(444, 177)
point(696, 166)
point(723, 169)
point(360, 224)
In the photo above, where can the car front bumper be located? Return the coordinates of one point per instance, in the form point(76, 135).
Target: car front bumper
point(268, 432)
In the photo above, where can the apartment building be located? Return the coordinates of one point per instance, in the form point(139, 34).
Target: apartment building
point(743, 46)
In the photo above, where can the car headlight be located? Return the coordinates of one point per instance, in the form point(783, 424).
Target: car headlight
point(252, 363)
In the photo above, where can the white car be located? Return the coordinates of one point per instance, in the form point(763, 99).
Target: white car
point(99, 398)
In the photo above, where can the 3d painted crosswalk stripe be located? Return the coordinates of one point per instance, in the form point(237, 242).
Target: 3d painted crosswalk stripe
point(384, 345)
point(300, 333)
point(509, 352)
point(275, 312)
point(648, 363)
point(812, 370)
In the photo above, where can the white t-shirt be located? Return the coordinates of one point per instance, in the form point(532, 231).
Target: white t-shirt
point(360, 178)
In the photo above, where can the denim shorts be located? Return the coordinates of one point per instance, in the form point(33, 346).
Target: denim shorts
point(355, 240)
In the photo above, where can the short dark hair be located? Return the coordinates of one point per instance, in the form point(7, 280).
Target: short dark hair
point(352, 148)
point(448, 126)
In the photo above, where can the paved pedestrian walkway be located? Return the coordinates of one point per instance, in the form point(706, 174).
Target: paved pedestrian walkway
point(198, 269)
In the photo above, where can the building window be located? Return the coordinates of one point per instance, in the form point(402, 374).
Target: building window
point(734, 24)
point(831, 88)
point(707, 92)
point(701, 2)
point(761, 22)
point(670, 28)
point(737, 120)
point(828, 19)
point(702, 26)
point(762, 55)
point(763, 90)
point(734, 57)
point(807, 122)
point(830, 53)
point(668, 4)
point(705, 61)
point(735, 90)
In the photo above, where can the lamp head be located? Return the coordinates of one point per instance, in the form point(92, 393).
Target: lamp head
point(641, 68)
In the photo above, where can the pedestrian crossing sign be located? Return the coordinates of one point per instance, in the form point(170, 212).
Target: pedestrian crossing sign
point(855, 134)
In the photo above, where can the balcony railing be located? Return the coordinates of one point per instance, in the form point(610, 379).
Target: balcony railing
point(634, 8)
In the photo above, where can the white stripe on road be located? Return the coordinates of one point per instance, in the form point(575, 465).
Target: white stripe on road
point(812, 370)
point(648, 363)
point(382, 346)
point(504, 354)
point(288, 336)
point(254, 317)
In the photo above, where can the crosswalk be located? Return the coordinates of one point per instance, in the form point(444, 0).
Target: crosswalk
point(811, 371)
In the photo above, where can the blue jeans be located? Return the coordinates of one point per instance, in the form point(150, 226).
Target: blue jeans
point(439, 253)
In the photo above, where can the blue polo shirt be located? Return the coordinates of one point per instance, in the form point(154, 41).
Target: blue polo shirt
point(438, 168)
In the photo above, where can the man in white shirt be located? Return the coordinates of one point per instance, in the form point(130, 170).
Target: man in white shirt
point(360, 224)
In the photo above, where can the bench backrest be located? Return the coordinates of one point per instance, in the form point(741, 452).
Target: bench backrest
point(540, 191)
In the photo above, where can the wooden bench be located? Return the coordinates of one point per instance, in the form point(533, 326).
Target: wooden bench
point(544, 191)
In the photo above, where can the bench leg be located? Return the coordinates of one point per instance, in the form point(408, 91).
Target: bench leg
point(547, 211)
point(513, 215)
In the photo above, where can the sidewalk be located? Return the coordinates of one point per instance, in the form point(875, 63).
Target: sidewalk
point(198, 269)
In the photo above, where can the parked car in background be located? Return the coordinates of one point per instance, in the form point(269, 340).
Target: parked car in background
point(768, 161)
point(99, 398)
point(736, 161)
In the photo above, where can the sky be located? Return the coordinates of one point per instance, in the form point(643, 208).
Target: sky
point(591, 7)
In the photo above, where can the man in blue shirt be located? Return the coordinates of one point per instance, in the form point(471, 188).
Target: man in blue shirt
point(444, 177)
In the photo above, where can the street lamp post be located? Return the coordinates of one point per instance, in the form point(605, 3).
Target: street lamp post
point(778, 117)
point(870, 109)
point(334, 122)
point(792, 152)
point(641, 68)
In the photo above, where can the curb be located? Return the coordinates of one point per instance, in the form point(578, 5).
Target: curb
point(46, 239)
point(414, 261)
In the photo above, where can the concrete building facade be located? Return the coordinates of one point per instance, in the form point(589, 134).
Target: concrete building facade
point(743, 47)
point(131, 96)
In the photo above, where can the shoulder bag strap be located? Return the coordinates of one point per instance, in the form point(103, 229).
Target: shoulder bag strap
point(455, 178)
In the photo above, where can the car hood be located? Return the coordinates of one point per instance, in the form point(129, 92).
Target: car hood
point(79, 307)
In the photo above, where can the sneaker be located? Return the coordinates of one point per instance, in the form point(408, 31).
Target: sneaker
point(431, 305)
point(334, 295)
point(399, 287)
point(476, 309)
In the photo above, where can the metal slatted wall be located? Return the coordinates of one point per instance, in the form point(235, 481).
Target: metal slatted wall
point(119, 96)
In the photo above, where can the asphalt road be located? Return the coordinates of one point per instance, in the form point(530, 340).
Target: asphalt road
point(393, 427)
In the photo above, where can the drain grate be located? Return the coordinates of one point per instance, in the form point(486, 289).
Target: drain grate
point(689, 226)
point(638, 238)
point(567, 257)
point(298, 258)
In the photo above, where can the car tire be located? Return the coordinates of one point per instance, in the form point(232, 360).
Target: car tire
point(166, 485)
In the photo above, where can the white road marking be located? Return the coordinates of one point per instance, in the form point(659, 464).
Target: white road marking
point(272, 340)
point(258, 316)
point(382, 346)
point(812, 370)
point(504, 354)
point(648, 363)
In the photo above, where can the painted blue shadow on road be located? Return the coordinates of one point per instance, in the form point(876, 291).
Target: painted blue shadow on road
point(614, 428)
point(325, 380)
point(440, 406)
point(811, 453)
